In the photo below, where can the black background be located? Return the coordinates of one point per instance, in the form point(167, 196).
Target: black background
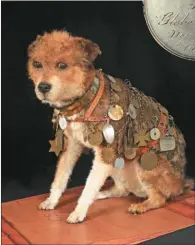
point(128, 51)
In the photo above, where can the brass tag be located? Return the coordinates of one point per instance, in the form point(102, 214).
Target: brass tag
point(149, 160)
point(108, 155)
point(57, 143)
point(115, 112)
point(95, 139)
point(167, 143)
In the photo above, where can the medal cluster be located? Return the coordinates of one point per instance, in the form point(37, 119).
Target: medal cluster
point(137, 127)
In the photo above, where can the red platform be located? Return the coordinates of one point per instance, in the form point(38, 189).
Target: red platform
point(108, 221)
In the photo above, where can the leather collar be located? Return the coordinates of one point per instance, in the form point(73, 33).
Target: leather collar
point(90, 99)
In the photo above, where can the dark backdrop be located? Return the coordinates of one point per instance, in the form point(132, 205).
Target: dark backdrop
point(128, 51)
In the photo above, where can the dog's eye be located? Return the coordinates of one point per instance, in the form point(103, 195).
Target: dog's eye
point(37, 64)
point(61, 66)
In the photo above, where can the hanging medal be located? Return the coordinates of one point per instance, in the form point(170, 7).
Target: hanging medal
point(115, 112)
point(142, 138)
point(119, 163)
point(149, 161)
point(108, 132)
point(132, 111)
point(95, 138)
point(62, 122)
point(108, 155)
point(57, 144)
point(129, 151)
point(155, 132)
point(167, 143)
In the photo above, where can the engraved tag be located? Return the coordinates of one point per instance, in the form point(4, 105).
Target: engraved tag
point(167, 143)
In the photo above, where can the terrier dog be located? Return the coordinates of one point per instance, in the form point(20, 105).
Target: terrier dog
point(104, 114)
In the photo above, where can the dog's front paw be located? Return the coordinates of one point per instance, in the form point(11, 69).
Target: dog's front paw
point(76, 217)
point(47, 204)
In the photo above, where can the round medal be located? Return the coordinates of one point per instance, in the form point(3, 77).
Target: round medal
point(115, 112)
point(149, 161)
point(95, 139)
point(155, 134)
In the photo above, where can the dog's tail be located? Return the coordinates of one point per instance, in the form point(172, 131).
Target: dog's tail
point(189, 184)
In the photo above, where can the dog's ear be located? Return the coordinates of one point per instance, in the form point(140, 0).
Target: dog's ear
point(91, 49)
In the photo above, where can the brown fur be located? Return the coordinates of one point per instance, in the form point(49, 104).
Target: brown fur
point(157, 185)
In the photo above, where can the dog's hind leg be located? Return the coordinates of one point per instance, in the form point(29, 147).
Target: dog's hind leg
point(155, 200)
point(119, 189)
point(65, 166)
point(114, 191)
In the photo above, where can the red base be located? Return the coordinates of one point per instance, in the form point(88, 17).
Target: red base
point(108, 221)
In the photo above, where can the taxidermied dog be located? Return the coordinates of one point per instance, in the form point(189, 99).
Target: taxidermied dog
point(133, 137)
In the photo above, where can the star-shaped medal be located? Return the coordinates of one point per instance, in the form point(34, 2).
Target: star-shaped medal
point(141, 138)
point(57, 143)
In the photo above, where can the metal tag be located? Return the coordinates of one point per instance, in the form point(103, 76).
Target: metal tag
point(167, 143)
point(172, 24)
point(62, 122)
point(119, 163)
point(108, 132)
point(132, 111)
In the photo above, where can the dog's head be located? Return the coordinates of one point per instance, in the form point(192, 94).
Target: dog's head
point(60, 66)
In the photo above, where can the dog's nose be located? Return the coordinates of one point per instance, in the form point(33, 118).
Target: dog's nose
point(44, 87)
